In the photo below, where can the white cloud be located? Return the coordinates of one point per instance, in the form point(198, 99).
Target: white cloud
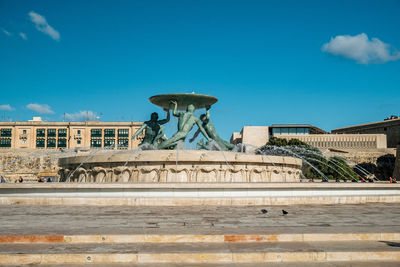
point(43, 26)
point(23, 35)
point(40, 108)
point(361, 49)
point(81, 116)
point(6, 107)
point(6, 32)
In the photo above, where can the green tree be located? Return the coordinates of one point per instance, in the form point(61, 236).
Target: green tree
point(333, 168)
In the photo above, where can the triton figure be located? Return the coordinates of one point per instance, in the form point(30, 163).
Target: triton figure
point(212, 133)
point(186, 121)
point(154, 130)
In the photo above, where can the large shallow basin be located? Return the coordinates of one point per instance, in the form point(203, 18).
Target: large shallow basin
point(178, 166)
point(183, 100)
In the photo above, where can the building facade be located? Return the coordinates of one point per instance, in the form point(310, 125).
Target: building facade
point(259, 135)
point(68, 135)
point(389, 127)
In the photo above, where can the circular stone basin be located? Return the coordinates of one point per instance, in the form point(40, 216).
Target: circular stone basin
point(183, 100)
point(183, 166)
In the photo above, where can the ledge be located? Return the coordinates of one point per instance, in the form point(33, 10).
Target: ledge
point(285, 186)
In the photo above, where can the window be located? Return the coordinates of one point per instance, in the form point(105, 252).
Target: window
point(123, 143)
point(78, 132)
point(24, 141)
point(51, 132)
point(109, 143)
point(62, 132)
point(301, 130)
point(39, 143)
point(23, 131)
point(62, 143)
point(95, 133)
point(276, 131)
point(40, 132)
point(5, 142)
point(109, 132)
point(284, 130)
point(78, 142)
point(95, 143)
point(5, 133)
point(123, 132)
point(51, 142)
point(292, 131)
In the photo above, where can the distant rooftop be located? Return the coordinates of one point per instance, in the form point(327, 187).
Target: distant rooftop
point(388, 120)
point(36, 119)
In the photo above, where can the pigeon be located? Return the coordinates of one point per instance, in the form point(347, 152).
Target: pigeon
point(264, 211)
point(284, 212)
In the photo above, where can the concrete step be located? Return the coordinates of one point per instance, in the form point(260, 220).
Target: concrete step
point(200, 252)
point(269, 264)
point(197, 238)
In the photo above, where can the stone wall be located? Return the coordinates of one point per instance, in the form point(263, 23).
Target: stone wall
point(28, 163)
point(357, 156)
point(379, 162)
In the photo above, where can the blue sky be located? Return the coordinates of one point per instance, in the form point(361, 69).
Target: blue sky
point(267, 62)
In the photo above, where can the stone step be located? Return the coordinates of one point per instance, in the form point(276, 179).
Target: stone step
point(269, 264)
point(200, 252)
point(198, 238)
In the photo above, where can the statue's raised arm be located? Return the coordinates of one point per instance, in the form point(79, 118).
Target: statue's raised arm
point(139, 131)
point(174, 111)
point(166, 119)
point(208, 112)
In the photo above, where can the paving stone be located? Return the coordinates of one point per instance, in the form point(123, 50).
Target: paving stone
point(157, 248)
point(75, 220)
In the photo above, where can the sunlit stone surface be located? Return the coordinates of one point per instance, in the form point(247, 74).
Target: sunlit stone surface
point(179, 166)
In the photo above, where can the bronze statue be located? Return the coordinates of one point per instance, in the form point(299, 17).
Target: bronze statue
point(186, 121)
point(211, 132)
point(154, 130)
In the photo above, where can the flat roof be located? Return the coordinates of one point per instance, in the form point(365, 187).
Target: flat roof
point(369, 124)
point(298, 126)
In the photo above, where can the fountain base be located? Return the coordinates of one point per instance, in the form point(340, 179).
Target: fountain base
point(179, 166)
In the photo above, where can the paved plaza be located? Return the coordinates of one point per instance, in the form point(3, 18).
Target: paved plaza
point(201, 236)
point(47, 220)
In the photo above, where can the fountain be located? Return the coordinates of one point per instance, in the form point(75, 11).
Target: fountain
point(159, 159)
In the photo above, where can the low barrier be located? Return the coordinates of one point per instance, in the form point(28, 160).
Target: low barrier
point(187, 194)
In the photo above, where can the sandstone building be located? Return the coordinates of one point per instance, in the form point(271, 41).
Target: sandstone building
point(259, 135)
point(38, 134)
point(390, 127)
